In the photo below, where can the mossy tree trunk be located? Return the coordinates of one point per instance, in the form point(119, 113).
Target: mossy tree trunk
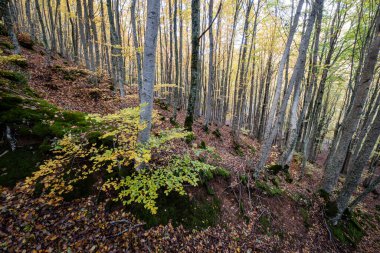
point(195, 31)
point(6, 15)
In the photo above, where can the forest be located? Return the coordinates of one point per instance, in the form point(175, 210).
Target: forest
point(190, 126)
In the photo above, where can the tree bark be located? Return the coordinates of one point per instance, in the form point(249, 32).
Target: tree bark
point(350, 122)
point(195, 31)
point(149, 68)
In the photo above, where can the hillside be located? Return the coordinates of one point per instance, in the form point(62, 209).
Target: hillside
point(227, 212)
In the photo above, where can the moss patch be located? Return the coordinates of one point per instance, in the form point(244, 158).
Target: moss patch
point(15, 59)
point(180, 210)
point(70, 73)
point(271, 190)
point(348, 231)
point(18, 165)
point(13, 76)
point(265, 223)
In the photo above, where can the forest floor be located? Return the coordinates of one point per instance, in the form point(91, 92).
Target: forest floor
point(285, 217)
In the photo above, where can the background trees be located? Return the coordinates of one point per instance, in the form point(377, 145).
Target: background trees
point(300, 75)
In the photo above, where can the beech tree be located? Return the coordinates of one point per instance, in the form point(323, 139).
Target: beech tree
point(149, 68)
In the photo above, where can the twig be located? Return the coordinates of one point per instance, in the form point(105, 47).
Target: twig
point(4, 153)
point(126, 230)
point(120, 221)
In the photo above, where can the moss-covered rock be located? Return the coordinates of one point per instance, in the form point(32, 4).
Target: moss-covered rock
point(180, 210)
point(34, 123)
point(13, 76)
point(277, 168)
point(70, 73)
point(271, 190)
point(15, 59)
point(18, 164)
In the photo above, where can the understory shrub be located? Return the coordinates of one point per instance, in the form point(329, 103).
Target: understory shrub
point(110, 149)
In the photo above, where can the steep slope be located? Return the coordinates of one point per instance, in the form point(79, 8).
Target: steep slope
point(275, 214)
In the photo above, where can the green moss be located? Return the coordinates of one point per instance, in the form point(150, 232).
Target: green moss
point(6, 45)
point(277, 168)
point(192, 214)
point(348, 231)
point(174, 122)
point(301, 199)
point(305, 217)
point(238, 150)
point(268, 189)
point(18, 164)
point(17, 60)
point(222, 172)
point(244, 179)
point(252, 149)
point(265, 223)
point(207, 175)
point(276, 181)
point(203, 145)
point(14, 76)
point(190, 138)
point(70, 74)
point(8, 102)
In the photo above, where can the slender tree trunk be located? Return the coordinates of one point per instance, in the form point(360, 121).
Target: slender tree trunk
point(82, 34)
point(94, 33)
point(52, 29)
point(30, 21)
point(195, 32)
point(211, 76)
point(136, 45)
point(149, 68)
point(6, 14)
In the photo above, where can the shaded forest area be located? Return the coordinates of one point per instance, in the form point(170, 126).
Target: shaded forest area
point(189, 126)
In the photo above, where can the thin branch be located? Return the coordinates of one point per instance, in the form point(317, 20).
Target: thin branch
point(126, 230)
point(208, 28)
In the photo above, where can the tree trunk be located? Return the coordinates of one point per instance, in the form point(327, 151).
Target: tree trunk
point(195, 31)
point(149, 68)
point(136, 45)
point(350, 122)
point(6, 14)
point(356, 168)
